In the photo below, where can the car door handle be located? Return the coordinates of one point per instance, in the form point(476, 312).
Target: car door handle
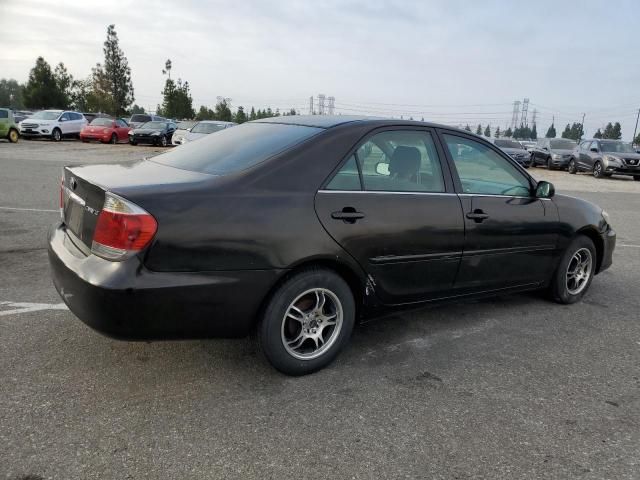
point(347, 215)
point(477, 216)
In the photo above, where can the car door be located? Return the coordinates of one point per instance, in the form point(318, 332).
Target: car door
point(122, 130)
point(510, 236)
point(583, 155)
point(64, 123)
point(594, 154)
point(4, 122)
point(392, 207)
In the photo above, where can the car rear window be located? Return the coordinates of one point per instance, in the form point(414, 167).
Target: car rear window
point(140, 118)
point(235, 149)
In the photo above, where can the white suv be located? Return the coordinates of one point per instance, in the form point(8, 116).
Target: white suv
point(54, 124)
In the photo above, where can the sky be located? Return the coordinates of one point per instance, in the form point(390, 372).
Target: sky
point(453, 62)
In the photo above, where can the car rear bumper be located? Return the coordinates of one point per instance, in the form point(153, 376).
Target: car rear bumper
point(609, 243)
point(93, 136)
point(125, 300)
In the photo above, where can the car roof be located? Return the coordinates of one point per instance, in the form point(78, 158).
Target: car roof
point(215, 121)
point(329, 121)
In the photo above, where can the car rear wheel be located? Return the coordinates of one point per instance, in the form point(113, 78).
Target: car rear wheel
point(549, 164)
point(13, 136)
point(575, 271)
point(307, 322)
point(56, 135)
point(597, 170)
point(114, 139)
point(571, 168)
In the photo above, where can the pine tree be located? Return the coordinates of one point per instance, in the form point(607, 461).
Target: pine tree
point(467, 128)
point(205, 114)
point(136, 109)
point(240, 116)
point(608, 131)
point(616, 132)
point(508, 132)
point(598, 134)
point(65, 83)
point(487, 131)
point(11, 93)
point(41, 90)
point(534, 133)
point(479, 130)
point(117, 74)
point(252, 114)
point(551, 132)
point(567, 132)
point(497, 133)
point(222, 111)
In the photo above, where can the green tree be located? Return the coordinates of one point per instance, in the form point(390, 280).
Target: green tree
point(467, 128)
point(65, 83)
point(598, 134)
point(487, 131)
point(41, 90)
point(497, 133)
point(177, 101)
point(205, 114)
point(222, 111)
point(567, 132)
point(508, 132)
point(608, 131)
point(551, 132)
point(240, 116)
point(11, 93)
point(534, 133)
point(136, 109)
point(479, 130)
point(616, 132)
point(269, 113)
point(636, 141)
point(117, 74)
point(252, 114)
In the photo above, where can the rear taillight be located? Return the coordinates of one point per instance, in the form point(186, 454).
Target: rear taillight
point(123, 229)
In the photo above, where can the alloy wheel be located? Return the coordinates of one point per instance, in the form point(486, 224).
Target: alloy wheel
point(572, 166)
point(57, 135)
point(312, 323)
point(579, 271)
point(597, 170)
point(13, 136)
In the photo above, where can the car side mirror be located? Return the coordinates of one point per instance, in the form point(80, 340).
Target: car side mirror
point(545, 148)
point(382, 168)
point(545, 190)
point(594, 150)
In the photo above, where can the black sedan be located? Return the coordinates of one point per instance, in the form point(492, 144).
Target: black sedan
point(515, 150)
point(155, 133)
point(298, 226)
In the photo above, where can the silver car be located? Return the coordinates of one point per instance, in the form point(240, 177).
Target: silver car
point(200, 130)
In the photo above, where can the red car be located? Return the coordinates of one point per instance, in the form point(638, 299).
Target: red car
point(106, 130)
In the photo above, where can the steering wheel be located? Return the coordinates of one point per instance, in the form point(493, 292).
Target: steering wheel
point(506, 192)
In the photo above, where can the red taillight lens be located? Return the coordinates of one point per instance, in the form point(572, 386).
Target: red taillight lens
point(122, 228)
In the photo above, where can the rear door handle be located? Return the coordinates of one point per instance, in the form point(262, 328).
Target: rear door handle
point(477, 216)
point(347, 215)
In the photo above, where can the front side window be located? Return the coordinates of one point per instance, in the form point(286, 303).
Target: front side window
point(400, 161)
point(65, 116)
point(483, 171)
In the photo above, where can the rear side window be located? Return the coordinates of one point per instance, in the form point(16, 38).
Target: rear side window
point(4, 114)
point(235, 149)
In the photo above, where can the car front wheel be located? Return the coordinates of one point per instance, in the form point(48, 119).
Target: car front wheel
point(597, 170)
point(571, 168)
point(575, 271)
point(13, 136)
point(307, 322)
point(637, 179)
point(56, 135)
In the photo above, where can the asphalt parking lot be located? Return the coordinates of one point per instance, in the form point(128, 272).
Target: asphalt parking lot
point(510, 387)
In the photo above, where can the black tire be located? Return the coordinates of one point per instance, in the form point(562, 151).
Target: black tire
point(275, 324)
point(163, 141)
point(549, 164)
point(597, 170)
point(571, 168)
point(56, 135)
point(13, 135)
point(114, 139)
point(559, 290)
point(132, 142)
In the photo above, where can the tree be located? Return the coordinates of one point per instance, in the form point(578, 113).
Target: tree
point(177, 101)
point(608, 131)
point(567, 132)
point(222, 111)
point(598, 134)
point(487, 131)
point(11, 93)
point(205, 114)
point(479, 130)
point(117, 74)
point(467, 128)
point(64, 81)
point(41, 90)
point(534, 133)
point(616, 132)
point(551, 133)
point(240, 116)
point(497, 133)
point(508, 132)
point(636, 141)
point(252, 114)
point(136, 109)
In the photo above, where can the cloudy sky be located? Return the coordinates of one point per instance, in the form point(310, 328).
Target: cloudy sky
point(447, 61)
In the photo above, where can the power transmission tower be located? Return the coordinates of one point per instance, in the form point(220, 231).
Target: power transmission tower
point(533, 116)
point(516, 112)
point(321, 98)
point(525, 108)
point(311, 105)
point(332, 101)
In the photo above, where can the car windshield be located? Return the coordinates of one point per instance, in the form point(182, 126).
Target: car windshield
point(140, 118)
point(45, 115)
point(207, 127)
point(237, 148)
point(185, 125)
point(508, 144)
point(101, 122)
point(616, 147)
point(563, 144)
point(154, 125)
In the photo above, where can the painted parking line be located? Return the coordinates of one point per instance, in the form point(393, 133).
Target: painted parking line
point(18, 209)
point(19, 307)
point(628, 246)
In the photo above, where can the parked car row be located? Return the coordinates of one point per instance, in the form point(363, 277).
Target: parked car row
point(601, 157)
